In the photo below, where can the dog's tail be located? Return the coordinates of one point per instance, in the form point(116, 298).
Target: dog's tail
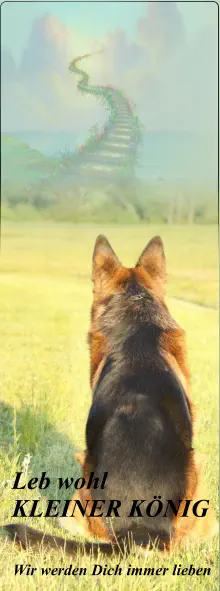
point(27, 537)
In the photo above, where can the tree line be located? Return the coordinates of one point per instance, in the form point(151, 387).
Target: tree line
point(128, 200)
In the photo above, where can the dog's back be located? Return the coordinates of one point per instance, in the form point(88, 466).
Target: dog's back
point(139, 427)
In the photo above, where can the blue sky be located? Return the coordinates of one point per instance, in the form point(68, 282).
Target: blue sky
point(91, 18)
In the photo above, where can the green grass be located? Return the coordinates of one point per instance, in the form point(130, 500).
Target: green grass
point(45, 300)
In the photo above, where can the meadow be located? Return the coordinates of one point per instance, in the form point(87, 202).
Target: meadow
point(45, 299)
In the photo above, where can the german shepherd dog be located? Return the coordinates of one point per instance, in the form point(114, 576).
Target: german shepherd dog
point(140, 425)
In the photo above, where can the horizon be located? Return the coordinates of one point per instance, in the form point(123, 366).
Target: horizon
point(149, 130)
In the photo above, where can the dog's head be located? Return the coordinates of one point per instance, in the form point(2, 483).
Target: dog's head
point(110, 277)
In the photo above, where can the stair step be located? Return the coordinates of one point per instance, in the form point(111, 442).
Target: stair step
point(107, 157)
point(123, 136)
point(97, 167)
point(117, 145)
point(123, 122)
point(110, 154)
point(124, 130)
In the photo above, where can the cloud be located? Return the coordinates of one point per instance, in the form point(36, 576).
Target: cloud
point(162, 29)
point(8, 66)
point(41, 93)
point(50, 47)
point(172, 82)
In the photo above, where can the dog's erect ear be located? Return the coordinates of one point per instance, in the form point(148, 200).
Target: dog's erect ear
point(153, 261)
point(105, 262)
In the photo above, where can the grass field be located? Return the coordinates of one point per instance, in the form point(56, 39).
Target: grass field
point(45, 300)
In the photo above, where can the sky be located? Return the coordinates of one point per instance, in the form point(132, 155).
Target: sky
point(163, 55)
point(92, 18)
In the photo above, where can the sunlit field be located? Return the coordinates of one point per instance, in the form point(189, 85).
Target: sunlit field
point(45, 299)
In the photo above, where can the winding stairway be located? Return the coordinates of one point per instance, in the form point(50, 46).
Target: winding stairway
point(113, 152)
